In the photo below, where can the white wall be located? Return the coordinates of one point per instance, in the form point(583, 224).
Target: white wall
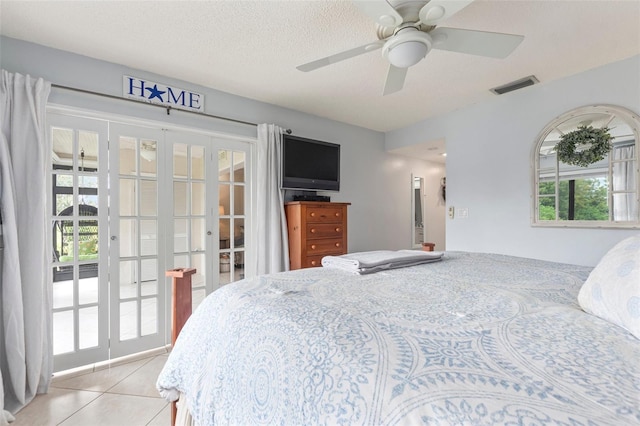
point(375, 182)
point(489, 148)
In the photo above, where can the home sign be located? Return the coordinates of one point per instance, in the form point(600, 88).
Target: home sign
point(160, 94)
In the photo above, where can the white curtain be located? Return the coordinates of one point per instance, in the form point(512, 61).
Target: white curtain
point(26, 360)
point(272, 240)
point(625, 207)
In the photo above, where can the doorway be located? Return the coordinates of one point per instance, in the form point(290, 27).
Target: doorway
point(130, 201)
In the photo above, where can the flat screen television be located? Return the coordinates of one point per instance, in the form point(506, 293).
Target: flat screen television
point(309, 164)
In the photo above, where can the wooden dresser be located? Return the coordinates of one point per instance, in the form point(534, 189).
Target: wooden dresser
point(316, 229)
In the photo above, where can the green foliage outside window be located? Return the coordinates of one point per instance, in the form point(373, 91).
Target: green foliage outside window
point(590, 201)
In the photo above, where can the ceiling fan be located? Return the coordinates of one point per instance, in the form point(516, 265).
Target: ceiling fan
point(408, 30)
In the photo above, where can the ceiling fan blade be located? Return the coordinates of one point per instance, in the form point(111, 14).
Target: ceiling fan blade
point(481, 43)
point(332, 59)
point(380, 11)
point(395, 80)
point(439, 10)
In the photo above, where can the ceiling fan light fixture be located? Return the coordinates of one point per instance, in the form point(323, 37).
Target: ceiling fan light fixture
point(407, 54)
point(407, 48)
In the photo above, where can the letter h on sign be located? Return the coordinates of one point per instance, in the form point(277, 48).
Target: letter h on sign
point(131, 87)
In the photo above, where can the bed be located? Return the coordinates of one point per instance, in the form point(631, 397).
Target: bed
point(475, 339)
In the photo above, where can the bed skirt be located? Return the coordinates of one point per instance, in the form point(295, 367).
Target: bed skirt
point(183, 416)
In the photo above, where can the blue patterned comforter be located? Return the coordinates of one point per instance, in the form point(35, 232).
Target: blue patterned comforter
point(476, 339)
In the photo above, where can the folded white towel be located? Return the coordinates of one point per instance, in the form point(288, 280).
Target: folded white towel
point(367, 262)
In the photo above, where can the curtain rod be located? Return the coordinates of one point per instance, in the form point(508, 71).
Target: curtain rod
point(168, 108)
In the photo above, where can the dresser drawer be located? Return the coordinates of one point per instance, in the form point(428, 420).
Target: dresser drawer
point(324, 214)
point(327, 246)
point(312, 261)
point(324, 230)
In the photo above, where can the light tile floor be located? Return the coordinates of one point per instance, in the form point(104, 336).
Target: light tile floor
point(120, 395)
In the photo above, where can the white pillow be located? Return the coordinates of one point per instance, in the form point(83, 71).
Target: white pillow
point(612, 290)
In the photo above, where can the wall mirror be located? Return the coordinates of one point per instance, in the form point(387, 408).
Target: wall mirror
point(417, 209)
point(603, 193)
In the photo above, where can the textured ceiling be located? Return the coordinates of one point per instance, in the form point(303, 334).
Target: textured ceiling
point(252, 48)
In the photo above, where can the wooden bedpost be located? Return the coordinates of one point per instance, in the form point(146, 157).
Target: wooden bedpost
point(180, 308)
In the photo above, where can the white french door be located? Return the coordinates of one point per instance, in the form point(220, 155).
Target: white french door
point(80, 252)
point(137, 254)
point(162, 199)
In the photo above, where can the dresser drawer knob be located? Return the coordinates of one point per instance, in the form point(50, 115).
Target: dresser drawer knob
point(313, 230)
point(313, 214)
point(314, 263)
point(338, 229)
point(337, 244)
point(313, 246)
point(337, 214)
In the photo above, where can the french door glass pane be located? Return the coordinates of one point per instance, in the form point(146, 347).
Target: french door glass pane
point(149, 316)
point(148, 158)
point(62, 144)
point(238, 199)
point(198, 235)
point(87, 327)
point(180, 164)
point(181, 259)
point(88, 146)
point(149, 237)
point(88, 287)
point(180, 201)
point(127, 195)
point(224, 199)
point(128, 279)
point(238, 232)
point(62, 202)
point(88, 239)
point(224, 161)
point(62, 291)
point(128, 164)
point(198, 279)
point(149, 277)
point(238, 166)
point(180, 240)
point(225, 236)
point(128, 238)
point(197, 162)
point(128, 320)
point(149, 198)
point(197, 198)
point(63, 332)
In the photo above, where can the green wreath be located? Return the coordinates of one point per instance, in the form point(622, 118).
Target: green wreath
point(596, 143)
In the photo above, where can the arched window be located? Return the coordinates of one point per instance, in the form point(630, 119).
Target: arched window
point(605, 193)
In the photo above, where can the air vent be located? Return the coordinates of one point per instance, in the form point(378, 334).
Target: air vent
point(515, 85)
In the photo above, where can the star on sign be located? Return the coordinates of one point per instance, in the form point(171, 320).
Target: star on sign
point(155, 93)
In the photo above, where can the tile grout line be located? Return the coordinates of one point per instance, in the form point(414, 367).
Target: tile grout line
point(127, 376)
point(81, 408)
point(157, 414)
